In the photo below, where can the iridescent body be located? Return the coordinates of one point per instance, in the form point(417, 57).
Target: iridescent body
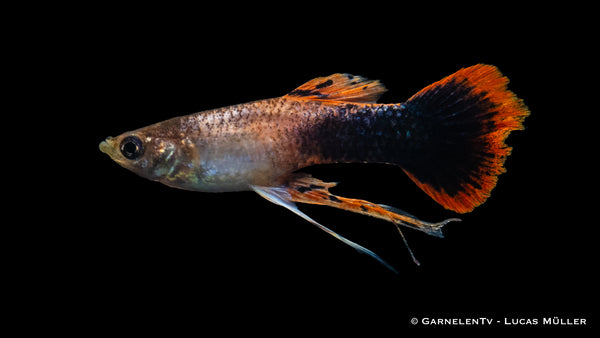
point(449, 139)
point(232, 148)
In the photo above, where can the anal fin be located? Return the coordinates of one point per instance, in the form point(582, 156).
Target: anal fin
point(304, 188)
point(307, 189)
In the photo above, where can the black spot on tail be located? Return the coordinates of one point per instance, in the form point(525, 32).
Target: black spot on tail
point(451, 126)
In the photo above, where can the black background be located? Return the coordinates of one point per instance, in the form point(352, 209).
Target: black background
point(149, 256)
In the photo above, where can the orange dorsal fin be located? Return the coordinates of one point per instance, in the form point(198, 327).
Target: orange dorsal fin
point(340, 87)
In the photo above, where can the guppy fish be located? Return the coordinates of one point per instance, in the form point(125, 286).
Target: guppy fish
point(449, 138)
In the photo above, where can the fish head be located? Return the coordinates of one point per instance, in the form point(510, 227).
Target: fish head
point(150, 156)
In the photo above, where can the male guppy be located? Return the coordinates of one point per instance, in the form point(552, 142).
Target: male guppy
point(449, 138)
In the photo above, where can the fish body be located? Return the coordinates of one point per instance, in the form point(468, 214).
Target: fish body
point(448, 138)
point(232, 148)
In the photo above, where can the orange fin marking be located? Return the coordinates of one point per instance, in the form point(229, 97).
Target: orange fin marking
point(306, 189)
point(340, 87)
point(487, 103)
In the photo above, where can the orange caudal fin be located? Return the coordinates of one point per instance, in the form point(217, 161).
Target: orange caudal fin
point(464, 120)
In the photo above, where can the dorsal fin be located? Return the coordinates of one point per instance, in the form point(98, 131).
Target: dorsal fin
point(340, 87)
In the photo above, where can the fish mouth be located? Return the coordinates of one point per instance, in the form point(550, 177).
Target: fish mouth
point(107, 146)
point(104, 147)
point(110, 148)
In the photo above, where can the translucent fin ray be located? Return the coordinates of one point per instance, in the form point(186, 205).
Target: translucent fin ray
point(281, 197)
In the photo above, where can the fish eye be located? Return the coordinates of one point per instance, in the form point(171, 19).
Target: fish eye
point(132, 147)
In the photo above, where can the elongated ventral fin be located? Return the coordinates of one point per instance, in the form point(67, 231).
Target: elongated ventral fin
point(304, 188)
point(281, 196)
point(340, 87)
point(459, 146)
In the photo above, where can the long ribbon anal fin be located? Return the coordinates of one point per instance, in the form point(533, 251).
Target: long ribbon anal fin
point(304, 188)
